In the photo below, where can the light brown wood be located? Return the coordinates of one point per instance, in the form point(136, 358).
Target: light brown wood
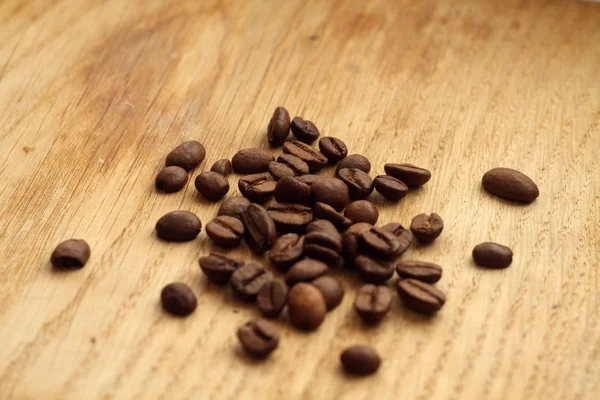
point(94, 94)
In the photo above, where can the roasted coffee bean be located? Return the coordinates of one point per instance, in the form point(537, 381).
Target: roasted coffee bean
point(326, 212)
point(382, 244)
point(291, 190)
point(306, 270)
point(331, 289)
point(306, 306)
point(286, 251)
point(251, 161)
point(247, 280)
point(258, 188)
point(351, 240)
point(322, 225)
point(187, 155)
point(260, 228)
point(360, 360)
point(427, 228)
point(222, 167)
point(271, 298)
point(225, 231)
point(420, 270)
point(333, 148)
point(279, 127)
point(420, 296)
point(310, 178)
point(258, 338)
point(390, 187)
point(304, 130)
point(403, 235)
point(290, 217)
point(373, 302)
point(219, 268)
point(362, 211)
point(359, 183)
point(492, 255)
point(323, 246)
point(171, 179)
point(510, 184)
point(311, 156)
point(288, 165)
point(330, 191)
point(411, 175)
point(178, 226)
point(354, 161)
point(70, 254)
point(212, 185)
point(371, 270)
point(178, 299)
point(234, 206)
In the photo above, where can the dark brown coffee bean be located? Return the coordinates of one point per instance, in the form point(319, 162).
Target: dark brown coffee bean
point(234, 206)
point(510, 184)
point(260, 228)
point(171, 179)
point(219, 268)
point(351, 240)
point(362, 211)
point(333, 148)
point(330, 191)
point(251, 161)
point(225, 231)
point(271, 298)
point(291, 190)
point(420, 270)
point(382, 244)
point(258, 338)
point(178, 299)
point(331, 289)
point(354, 161)
point(304, 130)
point(279, 127)
point(360, 360)
point(70, 254)
point(305, 270)
point(178, 226)
point(420, 296)
point(411, 175)
point(326, 212)
point(323, 246)
point(310, 178)
point(286, 251)
point(212, 185)
point(359, 183)
point(258, 188)
point(311, 156)
point(222, 167)
point(290, 217)
point(403, 235)
point(390, 187)
point(371, 270)
point(288, 165)
point(306, 306)
point(427, 228)
point(322, 225)
point(373, 302)
point(492, 255)
point(187, 155)
point(247, 280)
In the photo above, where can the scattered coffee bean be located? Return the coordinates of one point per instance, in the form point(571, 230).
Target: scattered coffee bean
point(222, 167)
point(290, 217)
point(360, 360)
point(279, 127)
point(260, 228)
point(219, 268)
point(187, 155)
point(225, 231)
point(322, 225)
point(411, 175)
point(286, 251)
point(427, 228)
point(404, 235)
point(330, 191)
point(234, 206)
point(171, 179)
point(333, 148)
point(373, 302)
point(362, 211)
point(306, 306)
point(178, 299)
point(312, 157)
point(492, 255)
point(70, 254)
point(178, 226)
point(359, 183)
point(371, 270)
point(306, 270)
point(323, 246)
point(289, 190)
point(351, 240)
point(247, 280)
point(510, 184)
point(331, 289)
point(271, 298)
point(420, 296)
point(258, 338)
point(258, 188)
point(288, 165)
point(382, 244)
point(310, 178)
point(251, 161)
point(354, 161)
point(326, 212)
point(212, 185)
point(420, 270)
point(304, 130)
point(390, 187)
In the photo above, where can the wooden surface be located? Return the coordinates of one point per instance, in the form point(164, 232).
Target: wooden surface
point(94, 94)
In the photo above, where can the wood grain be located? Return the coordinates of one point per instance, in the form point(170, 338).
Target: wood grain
point(94, 94)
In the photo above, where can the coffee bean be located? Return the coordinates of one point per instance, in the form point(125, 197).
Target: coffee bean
point(331, 289)
point(390, 187)
point(212, 185)
point(304, 130)
point(247, 280)
point(322, 225)
point(420, 296)
point(306, 306)
point(371, 270)
point(225, 231)
point(271, 298)
point(290, 217)
point(326, 212)
point(178, 299)
point(70, 254)
point(362, 211)
point(251, 161)
point(286, 251)
point(420, 270)
point(373, 302)
point(403, 235)
point(359, 183)
point(306, 270)
point(288, 165)
point(330, 191)
point(323, 246)
point(222, 167)
point(219, 268)
point(510, 184)
point(427, 228)
point(333, 148)
point(360, 360)
point(382, 243)
point(492, 255)
point(178, 226)
point(291, 190)
point(187, 155)
point(310, 178)
point(279, 127)
point(312, 157)
point(260, 228)
point(258, 338)
point(351, 240)
point(234, 206)
point(411, 175)
point(354, 161)
point(171, 179)
point(258, 188)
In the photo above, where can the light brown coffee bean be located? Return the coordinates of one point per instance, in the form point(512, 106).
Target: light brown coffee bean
point(306, 306)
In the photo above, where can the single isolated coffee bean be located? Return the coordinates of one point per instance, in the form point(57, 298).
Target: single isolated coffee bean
point(420, 270)
point(371, 270)
point(258, 188)
point(362, 211)
point(251, 161)
point(311, 156)
point(279, 127)
point(306, 306)
point(290, 217)
point(510, 184)
point(272, 298)
point(234, 206)
point(306, 270)
point(225, 231)
point(290, 190)
point(288, 165)
point(70, 254)
point(326, 212)
point(330, 191)
point(354, 161)
point(287, 249)
point(171, 179)
point(359, 183)
point(404, 235)
point(178, 299)
point(427, 228)
point(304, 130)
point(412, 175)
point(247, 280)
point(351, 240)
point(381, 243)
point(360, 360)
point(212, 185)
point(222, 167)
point(219, 268)
point(331, 289)
point(390, 187)
point(333, 148)
point(492, 255)
point(260, 228)
point(420, 296)
point(322, 225)
point(258, 338)
point(178, 226)
point(323, 246)
point(373, 302)
point(187, 155)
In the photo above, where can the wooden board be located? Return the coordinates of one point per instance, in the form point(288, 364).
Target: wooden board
point(94, 94)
